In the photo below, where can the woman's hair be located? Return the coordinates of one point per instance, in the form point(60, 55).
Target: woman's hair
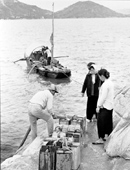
point(104, 72)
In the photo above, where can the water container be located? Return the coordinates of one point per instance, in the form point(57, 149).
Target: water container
point(64, 160)
point(76, 161)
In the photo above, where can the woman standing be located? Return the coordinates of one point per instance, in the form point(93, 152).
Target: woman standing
point(105, 106)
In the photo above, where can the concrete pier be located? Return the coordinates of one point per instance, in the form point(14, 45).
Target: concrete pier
point(94, 157)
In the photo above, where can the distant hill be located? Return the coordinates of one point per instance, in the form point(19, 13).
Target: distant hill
point(87, 9)
point(13, 9)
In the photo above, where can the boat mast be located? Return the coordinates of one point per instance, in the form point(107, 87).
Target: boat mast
point(52, 36)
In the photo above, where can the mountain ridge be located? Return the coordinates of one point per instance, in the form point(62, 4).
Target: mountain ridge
point(14, 9)
point(89, 10)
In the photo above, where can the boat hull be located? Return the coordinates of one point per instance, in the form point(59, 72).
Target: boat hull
point(53, 74)
point(61, 73)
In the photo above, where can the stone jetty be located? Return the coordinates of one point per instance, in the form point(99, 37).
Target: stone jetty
point(113, 155)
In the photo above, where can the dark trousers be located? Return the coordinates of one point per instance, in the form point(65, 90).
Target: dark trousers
point(48, 60)
point(104, 122)
point(91, 107)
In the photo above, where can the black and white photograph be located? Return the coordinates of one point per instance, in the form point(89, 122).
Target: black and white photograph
point(65, 84)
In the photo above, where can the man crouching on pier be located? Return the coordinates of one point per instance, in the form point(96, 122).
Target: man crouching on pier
point(40, 107)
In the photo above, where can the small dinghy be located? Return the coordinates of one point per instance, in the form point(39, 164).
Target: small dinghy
point(48, 66)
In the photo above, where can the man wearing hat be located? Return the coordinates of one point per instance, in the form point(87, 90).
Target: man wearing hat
point(40, 107)
point(91, 86)
point(90, 64)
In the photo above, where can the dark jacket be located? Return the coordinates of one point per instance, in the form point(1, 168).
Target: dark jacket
point(90, 88)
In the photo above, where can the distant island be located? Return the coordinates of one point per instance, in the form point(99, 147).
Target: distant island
point(13, 9)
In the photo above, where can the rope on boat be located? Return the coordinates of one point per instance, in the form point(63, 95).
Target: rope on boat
point(25, 137)
point(34, 67)
point(72, 79)
point(31, 70)
point(77, 82)
point(23, 141)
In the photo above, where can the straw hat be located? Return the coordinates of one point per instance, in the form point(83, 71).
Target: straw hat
point(54, 88)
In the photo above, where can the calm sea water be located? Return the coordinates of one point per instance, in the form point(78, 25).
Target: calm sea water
point(104, 41)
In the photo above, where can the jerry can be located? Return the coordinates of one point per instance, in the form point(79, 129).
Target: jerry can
point(64, 121)
point(78, 120)
point(47, 159)
point(71, 128)
point(77, 137)
point(69, 134)
point(65, 128)
point(76, 157)
point(63, 160)
point(78, 127)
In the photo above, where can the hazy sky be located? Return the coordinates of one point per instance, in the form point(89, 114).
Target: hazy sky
point(61, 4)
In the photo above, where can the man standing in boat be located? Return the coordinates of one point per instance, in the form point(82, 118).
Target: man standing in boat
point(40, 107)
point(50, 60)
point(48, 54)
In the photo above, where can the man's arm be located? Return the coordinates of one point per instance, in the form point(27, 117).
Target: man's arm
point(49, 107)
point(50, 111)
point(84, 85)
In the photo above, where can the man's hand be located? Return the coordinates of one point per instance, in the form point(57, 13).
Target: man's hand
point(54, 116)
point(50, 112)
point(97, 109)
point(82, 94)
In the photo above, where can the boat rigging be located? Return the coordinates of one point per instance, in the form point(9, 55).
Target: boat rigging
point(41, 59)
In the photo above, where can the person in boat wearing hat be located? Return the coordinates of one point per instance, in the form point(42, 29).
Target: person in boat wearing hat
point(40, 107)
point(91, 85)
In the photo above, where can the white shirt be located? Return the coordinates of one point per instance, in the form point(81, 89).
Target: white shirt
point(43, 98)
point(48, 53)
point(93, 78)
point(106, 95)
